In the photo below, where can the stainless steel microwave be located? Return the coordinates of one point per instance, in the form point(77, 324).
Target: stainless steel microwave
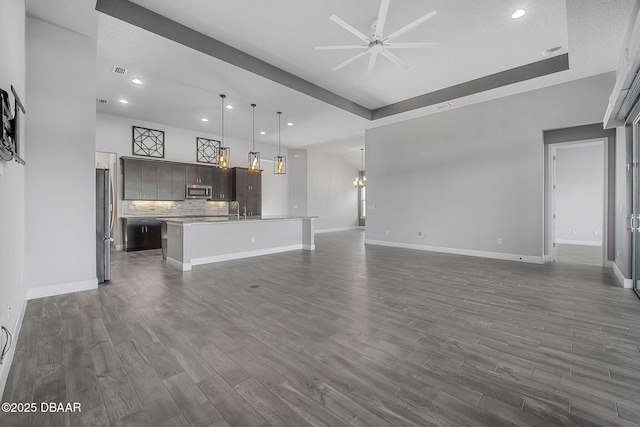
point(198, 192)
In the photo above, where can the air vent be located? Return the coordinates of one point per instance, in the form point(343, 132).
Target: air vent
point(101, 101)
point(445, 105)
point(119, 70)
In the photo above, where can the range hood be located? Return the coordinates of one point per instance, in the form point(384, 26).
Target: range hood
point(623, 102)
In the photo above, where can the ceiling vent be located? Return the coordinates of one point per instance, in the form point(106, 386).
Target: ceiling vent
point(101, 101)
point(119, 70)
point(443, 106)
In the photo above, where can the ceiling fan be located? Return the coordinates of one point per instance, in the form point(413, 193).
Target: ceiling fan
point(377, 43)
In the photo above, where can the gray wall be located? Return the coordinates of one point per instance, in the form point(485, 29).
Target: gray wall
point(332, 196)
point(579, 194)
point(468, 177)
point(12, 177)
point(60, 180)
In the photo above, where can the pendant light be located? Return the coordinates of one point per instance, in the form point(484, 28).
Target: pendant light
point(222, 156)
point(360, 180)
point(279, 162)
point(254, 156)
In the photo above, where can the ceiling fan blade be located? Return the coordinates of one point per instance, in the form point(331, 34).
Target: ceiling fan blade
point(412, 25)
point(372, 63)
point(349, 28)
point(410, 45)
point(382, 18)
point(346, 46)
point(395, 59)
point(349, 61)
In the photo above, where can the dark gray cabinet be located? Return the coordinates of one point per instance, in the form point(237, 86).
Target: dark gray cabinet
point(140, 179)
point(142, 233)
point(222, 188)
point(149, 181)
point(247, 190)
point(199, 175)
point(161, 180)
point(171, 181)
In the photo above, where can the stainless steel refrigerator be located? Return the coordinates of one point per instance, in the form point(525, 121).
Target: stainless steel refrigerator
point(104, 224)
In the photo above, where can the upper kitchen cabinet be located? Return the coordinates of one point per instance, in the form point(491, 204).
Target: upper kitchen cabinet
point(222, 184)
point(199, 175)
point(171, 181)
point(140, 179)
point(152, 179)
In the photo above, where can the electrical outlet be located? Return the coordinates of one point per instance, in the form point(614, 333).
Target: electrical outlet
point(500, 241)
point(420, 234)
point(386, 232)
point(253, 239)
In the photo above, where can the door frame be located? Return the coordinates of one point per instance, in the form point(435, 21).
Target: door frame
point(635, 200)
point(551, 172)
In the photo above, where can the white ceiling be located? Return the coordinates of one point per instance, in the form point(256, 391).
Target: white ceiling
point(476, 39)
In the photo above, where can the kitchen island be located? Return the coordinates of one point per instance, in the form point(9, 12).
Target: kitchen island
point(202, 240)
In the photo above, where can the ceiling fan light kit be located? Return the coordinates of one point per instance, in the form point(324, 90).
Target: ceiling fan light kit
point(377, 43)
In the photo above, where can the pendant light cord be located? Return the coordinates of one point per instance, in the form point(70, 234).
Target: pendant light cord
point(279, 130)
point(222, 97)
point(253, 134)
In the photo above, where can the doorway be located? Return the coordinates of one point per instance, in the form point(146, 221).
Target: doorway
point(578, 179)
point(635, 216)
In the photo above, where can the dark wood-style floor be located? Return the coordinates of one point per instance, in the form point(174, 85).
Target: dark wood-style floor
point(346, 335)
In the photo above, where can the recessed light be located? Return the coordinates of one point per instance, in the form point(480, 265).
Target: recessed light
point(123, 101)
point(136, 81)
point(204, 119)
point(289, 124)
point(262, 132)
point(550, 51)
point(229, 107)
point(518, 13)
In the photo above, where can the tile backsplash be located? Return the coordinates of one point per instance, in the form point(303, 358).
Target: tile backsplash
point(146, 208)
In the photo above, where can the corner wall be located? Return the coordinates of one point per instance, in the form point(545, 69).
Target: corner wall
point(468, 177)
point(12, 179)
point(60, 177)
point(332, 196)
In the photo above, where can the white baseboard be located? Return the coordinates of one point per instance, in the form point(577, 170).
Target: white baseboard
point(458, 251)
point(64, 288)
point(579, 242)
point(308, 247)
point(331, 230)
point(6, 364)
point(624, 282)
point(236, 255)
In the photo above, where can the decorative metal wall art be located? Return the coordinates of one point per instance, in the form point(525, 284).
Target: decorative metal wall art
point(148, 142)
point(207, 150)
